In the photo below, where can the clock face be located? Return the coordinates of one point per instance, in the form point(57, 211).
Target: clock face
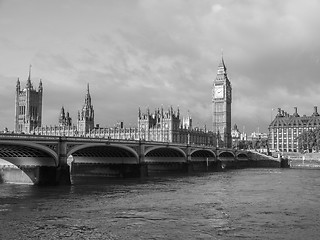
point(219, 91)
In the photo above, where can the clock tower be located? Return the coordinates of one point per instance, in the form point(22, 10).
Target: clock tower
point(221, 106)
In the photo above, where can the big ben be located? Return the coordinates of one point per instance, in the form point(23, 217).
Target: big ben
point(221, 106)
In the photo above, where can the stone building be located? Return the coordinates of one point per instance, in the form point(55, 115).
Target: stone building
point(85, 121)
point(160, 126)
point(64, 119)
point(221, 105)
point(28, 106)
point(285, 129)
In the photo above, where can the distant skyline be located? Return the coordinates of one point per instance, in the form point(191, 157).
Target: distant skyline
point(147, 53)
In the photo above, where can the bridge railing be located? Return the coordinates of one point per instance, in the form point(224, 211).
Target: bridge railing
point(25, 136)
point(11, 136)
point(16, 136)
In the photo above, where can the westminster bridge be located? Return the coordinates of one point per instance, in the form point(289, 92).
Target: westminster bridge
point(49, 160)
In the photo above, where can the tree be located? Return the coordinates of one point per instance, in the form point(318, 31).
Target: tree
point(309, 141)
point(303, 141)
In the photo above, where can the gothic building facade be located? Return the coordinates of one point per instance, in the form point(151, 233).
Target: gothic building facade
point(221, 106)
point(285, 129)
point(28, 106)
point(160, 126)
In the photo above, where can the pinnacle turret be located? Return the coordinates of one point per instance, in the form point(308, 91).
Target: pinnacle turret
point(29, 85)
point(18, 85)
point(40, 85)
point(87, 100)
point(62, 113)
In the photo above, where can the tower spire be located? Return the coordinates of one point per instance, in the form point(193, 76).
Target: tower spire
point(29, 78)
point(18, 84)
point(88, 97)
point(86, 115)
point(62, 114)
point(222, 69)
point(40, 85)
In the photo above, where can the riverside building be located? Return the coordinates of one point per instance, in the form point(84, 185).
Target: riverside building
point(285, 129)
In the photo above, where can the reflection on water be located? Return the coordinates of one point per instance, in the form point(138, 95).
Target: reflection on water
point(247, 204)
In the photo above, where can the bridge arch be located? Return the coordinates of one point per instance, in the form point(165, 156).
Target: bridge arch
point(165, 155)
point(202, 153)
point(160, 151)
point(36, 154)
point(28, 163)
point(242, 155)
point(104, 153)
point(226, 154)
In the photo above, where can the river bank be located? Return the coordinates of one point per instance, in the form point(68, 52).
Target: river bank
point(304, 161)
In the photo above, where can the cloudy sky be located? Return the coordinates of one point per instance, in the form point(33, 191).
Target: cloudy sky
point(151, 53)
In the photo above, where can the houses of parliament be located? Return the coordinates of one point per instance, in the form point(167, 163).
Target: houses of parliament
point(163, 125)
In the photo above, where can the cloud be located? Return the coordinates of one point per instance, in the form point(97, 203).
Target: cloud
point(149, 53)
point(216, 8)
point(7, 98)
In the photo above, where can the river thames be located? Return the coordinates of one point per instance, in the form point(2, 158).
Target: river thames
point(236, 204)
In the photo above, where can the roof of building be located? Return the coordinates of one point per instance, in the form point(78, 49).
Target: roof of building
point(283, 119)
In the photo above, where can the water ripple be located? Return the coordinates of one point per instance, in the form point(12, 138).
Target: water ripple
point(240, 204)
